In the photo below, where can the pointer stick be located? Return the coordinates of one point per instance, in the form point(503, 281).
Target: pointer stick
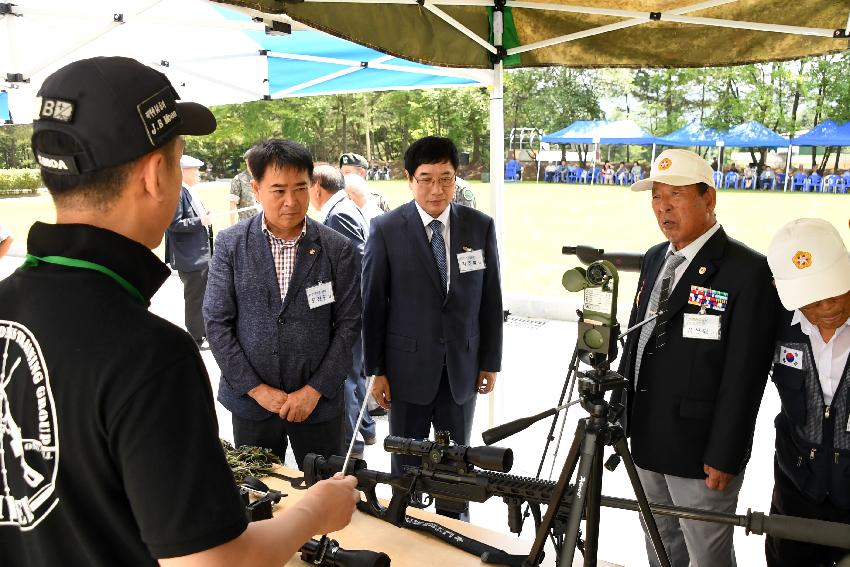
point(357, 425)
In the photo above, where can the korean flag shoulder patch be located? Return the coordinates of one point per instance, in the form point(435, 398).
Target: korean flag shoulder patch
point(790, 357)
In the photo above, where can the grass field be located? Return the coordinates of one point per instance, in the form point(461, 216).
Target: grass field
point(540, 218)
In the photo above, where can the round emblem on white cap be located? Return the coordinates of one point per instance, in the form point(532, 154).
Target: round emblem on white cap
point(802, 260)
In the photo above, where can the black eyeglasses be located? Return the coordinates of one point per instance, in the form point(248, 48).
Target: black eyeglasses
point(445, 181)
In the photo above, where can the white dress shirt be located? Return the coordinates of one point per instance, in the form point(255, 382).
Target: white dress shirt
point(689, 252)
point(330, 204)
point(830, 357)
point(443, 218)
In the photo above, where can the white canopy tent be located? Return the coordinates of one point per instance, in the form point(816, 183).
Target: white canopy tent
point(213, 54)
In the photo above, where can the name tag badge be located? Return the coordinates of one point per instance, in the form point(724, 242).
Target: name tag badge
point(790, 357)
point(701, 327)
point(320, 294)
point(470, 261)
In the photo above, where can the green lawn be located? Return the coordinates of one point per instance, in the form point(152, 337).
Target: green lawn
point(540, 218)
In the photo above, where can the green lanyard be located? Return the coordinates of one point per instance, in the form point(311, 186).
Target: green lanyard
point(75, 263)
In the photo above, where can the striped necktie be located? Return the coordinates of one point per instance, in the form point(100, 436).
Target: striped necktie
point(657, 302)
point(438, 246)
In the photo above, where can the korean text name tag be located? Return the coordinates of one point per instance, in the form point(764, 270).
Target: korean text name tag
point(470, 261)
point(701, 327)
point(320, 294)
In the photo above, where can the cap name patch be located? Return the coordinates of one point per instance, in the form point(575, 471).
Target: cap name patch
point(802, 260)
point(57, 164)
point(159, 115)
point(56, 109)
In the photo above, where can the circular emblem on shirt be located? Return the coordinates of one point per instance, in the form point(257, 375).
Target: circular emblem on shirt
point(664, 164)
point(467, 194)
point(29, 448)
point(802, 260)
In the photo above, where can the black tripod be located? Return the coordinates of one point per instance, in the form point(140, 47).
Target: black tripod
point(592, 435)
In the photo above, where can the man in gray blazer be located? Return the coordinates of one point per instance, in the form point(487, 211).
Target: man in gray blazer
point(283, 312)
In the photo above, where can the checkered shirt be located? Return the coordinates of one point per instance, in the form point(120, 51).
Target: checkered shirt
point(283, 254)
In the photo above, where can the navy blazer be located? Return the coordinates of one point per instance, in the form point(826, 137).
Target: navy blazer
point(258, 339)
point(345, 218)
point(697, 400)
point(411, 327)
point(187, 242)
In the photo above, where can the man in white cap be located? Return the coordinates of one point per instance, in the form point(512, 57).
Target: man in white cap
point(696, 373)
point(812, 466)
point(187, 249)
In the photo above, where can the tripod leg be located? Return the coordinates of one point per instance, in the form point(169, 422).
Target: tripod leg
point(535, 556)
point(589, 448)
point(649, 520)
point(594, 499)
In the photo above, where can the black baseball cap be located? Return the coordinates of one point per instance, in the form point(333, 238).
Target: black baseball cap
point(116, 109)
point(353, 159)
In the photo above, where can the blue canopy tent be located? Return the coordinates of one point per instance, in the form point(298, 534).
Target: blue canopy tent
point(602, 132)
point(827, 133)
point(692, 134)
point(754, 134)
point(5, 117)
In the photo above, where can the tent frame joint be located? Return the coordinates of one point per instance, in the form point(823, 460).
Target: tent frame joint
point(16, 78)
point(655, 16)
point(6, 9)
point(499, 56)
point(840, 33)
point(499, 5)
point(118, 18)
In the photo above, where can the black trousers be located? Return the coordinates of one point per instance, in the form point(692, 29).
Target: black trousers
point(194, 287)
point(324, 438)
point(414, 421)
point(788, 501)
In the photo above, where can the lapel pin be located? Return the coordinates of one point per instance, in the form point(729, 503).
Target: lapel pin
point(312, 251)
point(467, 249)
point(702, 270)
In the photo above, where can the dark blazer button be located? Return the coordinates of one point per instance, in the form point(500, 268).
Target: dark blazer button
point(281, 320)
point(274, 353)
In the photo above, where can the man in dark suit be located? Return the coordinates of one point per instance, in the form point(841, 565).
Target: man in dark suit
point(283, 313)
point(698, 372)
point(432, 303)
point(187, 248)
point(337, 211)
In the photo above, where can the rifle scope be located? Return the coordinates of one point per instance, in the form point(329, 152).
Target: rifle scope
point(434, 453)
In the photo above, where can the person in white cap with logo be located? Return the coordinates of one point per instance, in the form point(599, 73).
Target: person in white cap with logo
point(187, 248)
point(811, 268)
point(698, 371)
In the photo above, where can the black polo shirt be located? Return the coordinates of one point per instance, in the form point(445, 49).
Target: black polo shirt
point(108, 431)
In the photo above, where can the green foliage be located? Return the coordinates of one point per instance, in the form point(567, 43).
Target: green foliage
point(19, 182)
point(15, 147)
point(249, 461)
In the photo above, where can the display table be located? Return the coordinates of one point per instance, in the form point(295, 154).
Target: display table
point(408, 548)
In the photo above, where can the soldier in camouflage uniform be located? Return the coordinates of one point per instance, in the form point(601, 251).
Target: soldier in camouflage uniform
point(357, 164)
point(241, 194)
point(463, 193)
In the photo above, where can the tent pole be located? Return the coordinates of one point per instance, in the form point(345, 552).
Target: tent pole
point(787, 168)
point(497, 172)
point(593, 167)
point(653, 155)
